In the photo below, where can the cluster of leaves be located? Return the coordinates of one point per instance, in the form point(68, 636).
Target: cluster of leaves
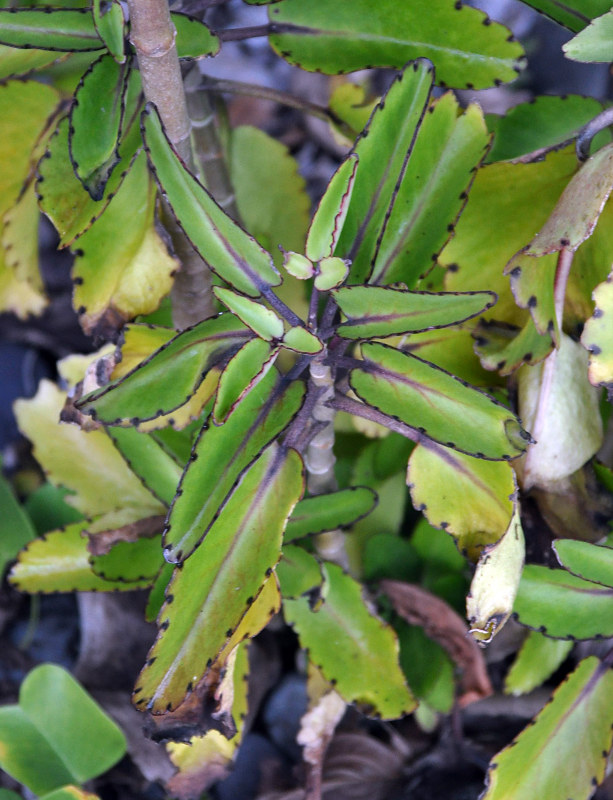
point(189, 459)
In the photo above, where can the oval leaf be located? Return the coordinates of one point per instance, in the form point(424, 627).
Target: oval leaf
point(586, 560)
point(328, 512)
point(194, 39)
point(262, 321)
point(110, 24)
point(329, 217)
point(64, 30)
point(537, 660)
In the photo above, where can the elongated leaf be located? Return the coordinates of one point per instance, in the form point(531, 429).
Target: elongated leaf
point(537, 660)
point(433, 191)
point(376, 311)
point(299, 572)
point(220, 581)
point(430, 400)
point(532, 284)
point(231, 253)
point(354, 34)
point(471, 499)
point(562, 605)
point(363, 664)
point(504, 348)
point(391, 130)
point(170, 376)
point(597, 336)
point(16, 528)
point(60, 562)
point(262, 321)
point(158, 471)
point(20, 240)
point(65, 30)
point(14, 62)
point(87, 463)
point(77, 740)
point(243, 372)
point(194, 39)
point(301, 340)
point(327, 512)
point(96, 118)
point(220, 455)
point(543, 760)
point(573, 14)
point(586, 560)
point(110, 25)
point(329, 217)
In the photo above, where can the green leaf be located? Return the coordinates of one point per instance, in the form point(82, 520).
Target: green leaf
point(230, 252)
point(244, 371)
point(110, 25)
point(573, 14)
point(328, 512)
point(194, 38)
point(331, 272)
point(299, 572)
point(87, 463)
point(430, 400)
point(135, 563)
point(57, 734)
point(60, 562)
point(597, 336)
point(391, 130)
point(586, 560)
point(504, 348)
point(64, 30)
point(562, 605)
point(536, 661)
point(209, 596)
point(47, 509)
point(16, 528)
point(263, 321)
point(542, 122)
point(298, 266)
point(168, 378)
point(158, 471)
point(542, 761)
point(302, 340)
point(220, 455)
point(471, 499)
point(14, 62)
point(329, 217)
point(532, 284)
point(354, 34)
point(593, 44)
point(428, 668)
point(386, 555)
point(374, 311)
point(440, 170)
point(96, 119)
point(363, 664)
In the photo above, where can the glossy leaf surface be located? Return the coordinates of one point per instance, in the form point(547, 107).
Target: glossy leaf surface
point(374, 311)
point(329, 217)
point(562, 605)
point(57, 734)
point(586, 560)
point(536, 661)
point(352, 35)
point(231, 253)
point(262, 321)
point(178, 367)
point(217, 585)
point(65, 30)
point(430, 400)
point(110, 24)
point(363, 664)
point(543, 758)
point(243, 372)
point(327, 512)
point(301, 340)
point(220, 455)
point(194, 39)
point(96, 118)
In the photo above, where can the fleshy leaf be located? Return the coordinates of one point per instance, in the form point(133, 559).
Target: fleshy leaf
point(220, 454)
point(135, 563)
point(504, 348)
point(262, 321)
point(562, 605)
point(327, 512)
point(20, 240)
point(299, 572)
point(14, 62)
point(66, 30)
point(374, 311)
point(597, 336)
point(86, 463)
point(532, 284)
point(218, 584)
point(16, 528)
point(96, 118)
point(494, 585)
point(467, 50)
point(331, 272)
point(536, 661)
point(573, 14)
point(194, 39)
point(177, 367)
point(440, 170)
point(430, 400)
point(302, 340)
point(471, 499)
point(60, 562)
point(243, 372)
point(298, 266)
point(586, 560)
point(363, 665)
point(593, 44)
point(110, 25)
point(329, 217)
point(542, 761)
point(72, 737)
point(230, 252)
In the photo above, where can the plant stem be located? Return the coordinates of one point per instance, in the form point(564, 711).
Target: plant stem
point(153, 36)
point(240, 34)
